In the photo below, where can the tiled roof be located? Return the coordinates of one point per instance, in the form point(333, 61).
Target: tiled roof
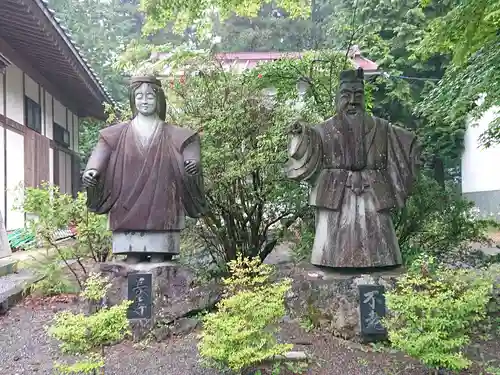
point(34, 32)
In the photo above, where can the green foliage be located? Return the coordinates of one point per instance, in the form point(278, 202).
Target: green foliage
point(453, 101)
point(189, 12)
point(468, 31)
point(96, 288)
point(433, 311)
point(303, 232)
point(50, 210)
point(274, 30)
point(288, 367)
point(244, 146)
point(437, 221)
point(463, 30)
point(102, 29)
point(319, 69)
point(54, 280)
point(242, 332)
point(87, 336)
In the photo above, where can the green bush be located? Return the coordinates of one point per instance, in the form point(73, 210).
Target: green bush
point(242, 332)
point(433, 311)
point(51, 210)
point(437, 221)
point(54, 280)
point(87, 336)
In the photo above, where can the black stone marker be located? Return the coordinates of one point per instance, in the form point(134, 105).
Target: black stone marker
point(140, 286)
point(371, 310)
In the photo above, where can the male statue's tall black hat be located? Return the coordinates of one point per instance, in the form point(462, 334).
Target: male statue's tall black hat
point(351, 76)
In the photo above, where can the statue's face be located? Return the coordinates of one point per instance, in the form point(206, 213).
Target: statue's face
point(351, 98)
point(145, 100)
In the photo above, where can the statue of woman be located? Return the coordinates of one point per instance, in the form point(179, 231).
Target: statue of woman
point(146, 175)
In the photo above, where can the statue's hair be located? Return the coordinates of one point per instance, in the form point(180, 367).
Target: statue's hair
point(161, 102)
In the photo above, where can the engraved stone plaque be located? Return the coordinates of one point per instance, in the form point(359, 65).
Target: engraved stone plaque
point(140, 286)
point(371, 310)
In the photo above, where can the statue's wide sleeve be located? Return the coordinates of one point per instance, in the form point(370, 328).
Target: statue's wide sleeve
point(305, 152)
point(194, 198)
point(403, 162)
point(98, 196)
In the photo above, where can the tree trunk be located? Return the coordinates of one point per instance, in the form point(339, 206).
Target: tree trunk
point(439, 174)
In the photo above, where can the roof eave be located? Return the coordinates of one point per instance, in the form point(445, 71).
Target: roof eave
point(96, 82)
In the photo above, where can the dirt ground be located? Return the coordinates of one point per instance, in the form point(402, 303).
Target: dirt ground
point(26, 349)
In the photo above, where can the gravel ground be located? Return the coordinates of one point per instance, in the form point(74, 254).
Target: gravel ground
point(26, 349)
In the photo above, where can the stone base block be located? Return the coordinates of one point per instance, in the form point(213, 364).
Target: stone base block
point(330, 300)
point(172, 297)
point(7, 266)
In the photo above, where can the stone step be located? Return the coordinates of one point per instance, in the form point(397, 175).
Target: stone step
point(8, 266)
point(14, 285)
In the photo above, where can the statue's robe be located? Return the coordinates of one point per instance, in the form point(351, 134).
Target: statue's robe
point(359, 171)
point(144, 189)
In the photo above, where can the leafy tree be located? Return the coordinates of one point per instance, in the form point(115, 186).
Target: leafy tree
point(200, 14)
point(390, 33)
point(469, 32)
point(244, 143)
point(466, 27)
point(274, 30)
point(102, 29)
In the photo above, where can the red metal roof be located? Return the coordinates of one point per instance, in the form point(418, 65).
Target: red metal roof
point(248, 60)
point(251, 59)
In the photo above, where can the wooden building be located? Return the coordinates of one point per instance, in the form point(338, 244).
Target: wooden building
point(46, 87)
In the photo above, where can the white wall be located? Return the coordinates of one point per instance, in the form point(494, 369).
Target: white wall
point(15, 99)
point(2, 79)
point(31, 89)
point(2, 170)
point(15, 178)
point(52, 111)
point(479, 165)
point(59, 113)
point(49, 116)
point(70, 129)
point(76, 124)
point(51, 165)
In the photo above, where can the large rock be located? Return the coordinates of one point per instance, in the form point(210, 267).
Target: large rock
point(176, 297)
point(330, 300)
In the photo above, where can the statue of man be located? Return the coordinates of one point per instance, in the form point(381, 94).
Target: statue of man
point(360, 167)
point(146, 174)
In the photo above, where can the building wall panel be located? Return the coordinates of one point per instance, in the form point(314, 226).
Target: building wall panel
point(59, 113)
point(70, 129)
point(2, 170)
point(15, 99)
point(479, 162)
point(76, 129)
point(36, 159)
point(31, 89)
point(15, 178)
point(69, 174)
point(49, 116)
point(51, 165)
point(2, 84)
point(62, 171)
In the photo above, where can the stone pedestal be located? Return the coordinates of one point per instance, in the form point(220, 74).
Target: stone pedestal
point(330, 300)
point(166, 296)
